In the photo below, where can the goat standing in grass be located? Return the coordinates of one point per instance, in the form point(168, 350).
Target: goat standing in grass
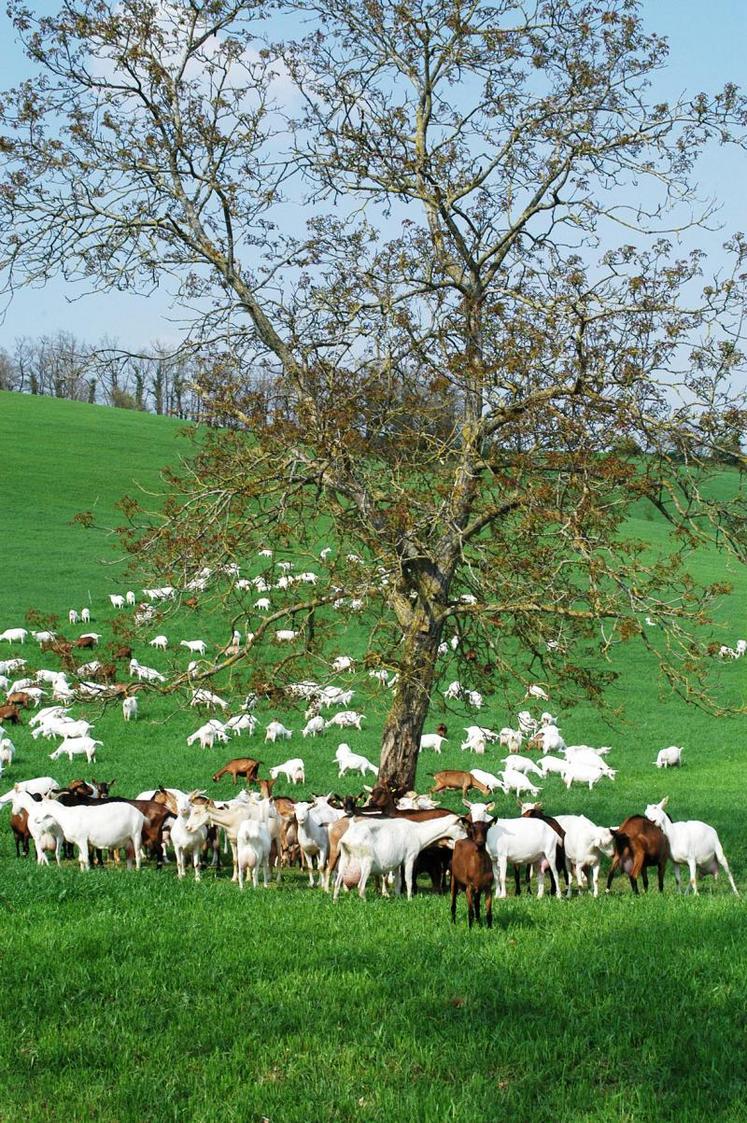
point(472, 871)
point(691, 843)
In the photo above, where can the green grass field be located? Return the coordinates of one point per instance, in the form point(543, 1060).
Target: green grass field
point(131, 996)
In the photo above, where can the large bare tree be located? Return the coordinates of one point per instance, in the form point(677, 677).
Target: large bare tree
point(454, 243)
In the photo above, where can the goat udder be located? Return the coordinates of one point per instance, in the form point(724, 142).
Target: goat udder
point(352, 874)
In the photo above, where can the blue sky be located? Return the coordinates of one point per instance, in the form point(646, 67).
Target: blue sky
point(708, 45)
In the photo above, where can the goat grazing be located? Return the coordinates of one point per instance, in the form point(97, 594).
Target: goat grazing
point(669, 758)
point(293, 770)
point(348, 761)
point(240, 766)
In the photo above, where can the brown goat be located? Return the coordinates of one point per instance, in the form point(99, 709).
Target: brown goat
point(265, 788)
point(11, 714)
point(107, 672)
point(241, 766)
point(20, 698)
point(284, 805)
point(19, 824)
point(639, 843)
point(97, 789)
point(122, 653)
point(472, 870)
point(85, 641)
point(453, 778)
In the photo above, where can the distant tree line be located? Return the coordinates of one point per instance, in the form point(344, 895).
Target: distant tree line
point(158, 380)
point(205, 384)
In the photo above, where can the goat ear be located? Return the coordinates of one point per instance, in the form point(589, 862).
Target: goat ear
point(489, 806)
point(664, 802)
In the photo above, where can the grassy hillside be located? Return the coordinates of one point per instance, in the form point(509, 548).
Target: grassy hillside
point(132, 996)
point(60, 458)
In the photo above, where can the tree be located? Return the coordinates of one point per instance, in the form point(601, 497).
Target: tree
point(56, 365)
point(441, 235)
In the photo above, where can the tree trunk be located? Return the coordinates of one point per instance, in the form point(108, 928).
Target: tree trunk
point(400, 740)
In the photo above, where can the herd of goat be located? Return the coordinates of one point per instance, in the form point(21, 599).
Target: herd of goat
point(388, 833)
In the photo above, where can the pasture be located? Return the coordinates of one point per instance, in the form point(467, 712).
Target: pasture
point(131, 996)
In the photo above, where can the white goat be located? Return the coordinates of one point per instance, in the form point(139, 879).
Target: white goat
point(314, 726)
point(669, 758)
point(692, 843)
point(511, 739)
point(514, 781)
point(345, 719)
point(253, 845)
point(488, 779)
point(522, 764)
point(381, 846)
point(348, 761)
point(196, 646)
point(313, 840)
point(207, 698)
point(535, 691)
point(584, 844)
point(577, 772)
point(186, 841)
point(14, 635)
point(77, 746)
point(432, 741)
point(207, 735)
point(62, 727)
point(276, 729)
point(99, 828)
point(549, 739)
point(292, 769)
point(40, 785)
point(552, 764)
point(44, 637)
point(129, 708)
point(527, 724)
point(241, 723)
point(161, 642)
point(145, 674)
point(521, 842)
point(45, 831)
